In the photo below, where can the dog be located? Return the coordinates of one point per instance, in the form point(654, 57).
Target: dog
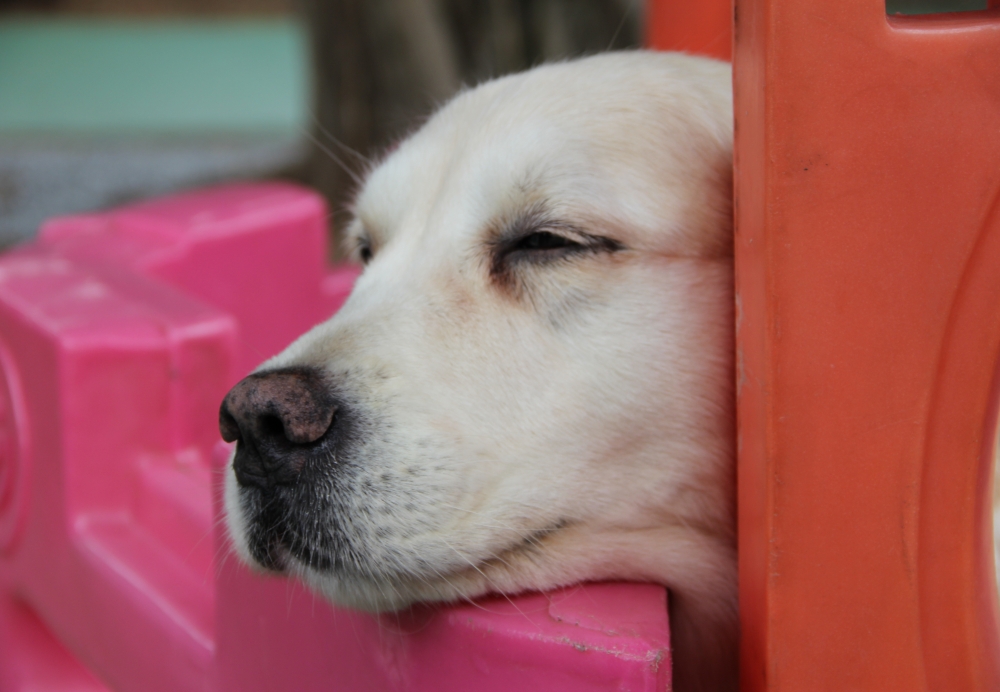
point(531, 384)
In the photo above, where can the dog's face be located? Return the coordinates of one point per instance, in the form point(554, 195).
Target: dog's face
point(530, 384)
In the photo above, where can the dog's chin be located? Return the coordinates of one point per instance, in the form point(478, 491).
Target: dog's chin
point(515, 570)
point(382, 596)
point(398, 594)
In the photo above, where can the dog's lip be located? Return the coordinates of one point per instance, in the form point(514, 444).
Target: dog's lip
point(280, 550)
point(271, 555)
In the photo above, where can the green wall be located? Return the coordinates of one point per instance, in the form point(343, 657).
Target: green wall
point(151, 77)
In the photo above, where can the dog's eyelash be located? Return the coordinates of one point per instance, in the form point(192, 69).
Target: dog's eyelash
point(543, 244)
point(544, 240)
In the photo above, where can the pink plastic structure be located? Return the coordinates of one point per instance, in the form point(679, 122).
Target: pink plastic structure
point(119, 335)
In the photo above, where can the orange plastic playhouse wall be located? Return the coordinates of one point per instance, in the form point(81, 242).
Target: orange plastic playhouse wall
point(703, 27)
point(868, 281)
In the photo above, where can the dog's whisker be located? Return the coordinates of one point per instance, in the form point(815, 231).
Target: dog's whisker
point(333, 157)
point(621, 25)
point(489, 581)
point(336, 140)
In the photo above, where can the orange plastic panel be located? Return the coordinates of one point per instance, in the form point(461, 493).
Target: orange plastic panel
point(868, 279)
point(704, 27)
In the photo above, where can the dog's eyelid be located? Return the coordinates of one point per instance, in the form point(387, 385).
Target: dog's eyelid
point(543, 238)
point(546, 239)
point(572, 235)
point(535, 224)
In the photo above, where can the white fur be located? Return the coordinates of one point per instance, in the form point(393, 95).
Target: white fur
point(591, 397)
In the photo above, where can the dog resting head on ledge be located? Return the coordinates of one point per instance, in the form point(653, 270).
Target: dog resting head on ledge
point(532, 382)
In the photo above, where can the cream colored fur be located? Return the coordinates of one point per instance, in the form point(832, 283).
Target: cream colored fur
point(555, 420)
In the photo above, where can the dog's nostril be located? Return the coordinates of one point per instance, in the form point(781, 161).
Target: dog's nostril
point(304, 427)
point(271, 427)
point(276, 417)
point(228, 427)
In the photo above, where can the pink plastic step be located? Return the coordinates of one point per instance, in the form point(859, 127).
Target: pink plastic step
point(120, 333)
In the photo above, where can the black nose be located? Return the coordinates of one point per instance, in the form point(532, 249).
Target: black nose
point(277, 418)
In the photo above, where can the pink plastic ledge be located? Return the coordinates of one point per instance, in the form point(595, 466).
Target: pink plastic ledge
point(120, 333)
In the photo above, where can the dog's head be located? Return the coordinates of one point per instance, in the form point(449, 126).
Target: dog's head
point(530, 384)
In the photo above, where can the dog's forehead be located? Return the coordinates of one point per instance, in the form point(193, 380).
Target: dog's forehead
point(463, 170)
point(626, 145)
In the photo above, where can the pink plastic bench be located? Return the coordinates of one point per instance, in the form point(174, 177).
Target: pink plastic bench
point(119, 335)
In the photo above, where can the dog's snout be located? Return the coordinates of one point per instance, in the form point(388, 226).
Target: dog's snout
point(276, 418)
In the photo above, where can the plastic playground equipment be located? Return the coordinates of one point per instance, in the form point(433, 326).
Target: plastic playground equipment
point(122, 332)
point(868, 284)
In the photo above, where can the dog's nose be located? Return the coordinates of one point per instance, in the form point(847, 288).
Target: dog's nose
point(276, 418)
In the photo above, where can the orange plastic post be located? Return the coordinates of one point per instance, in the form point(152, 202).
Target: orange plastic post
point(704, 27)
point(868, 282)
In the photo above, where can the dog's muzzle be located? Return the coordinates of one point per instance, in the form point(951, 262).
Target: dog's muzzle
point(279, 420)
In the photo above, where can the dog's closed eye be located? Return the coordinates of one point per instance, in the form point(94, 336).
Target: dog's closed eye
point(542, 241)
point(546, 242)
point(539, 242)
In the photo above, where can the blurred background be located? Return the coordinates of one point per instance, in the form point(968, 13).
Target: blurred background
point(106, 101)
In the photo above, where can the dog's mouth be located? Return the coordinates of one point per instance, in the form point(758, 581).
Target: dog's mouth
point(277, 543)
point(267, 536)
point(275, 539)
point(282, 549)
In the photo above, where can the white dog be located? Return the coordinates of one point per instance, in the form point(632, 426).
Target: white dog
point(532, 382)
